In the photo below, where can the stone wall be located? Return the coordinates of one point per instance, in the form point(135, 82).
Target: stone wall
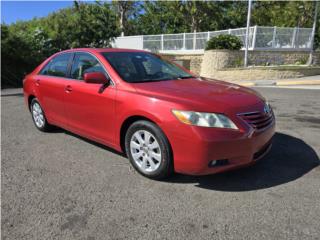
point(214, 60)
point(262, 73)
point(255, 58)
point(316, 58)
point(189, 61)
point(224, 64)
point(266, 58)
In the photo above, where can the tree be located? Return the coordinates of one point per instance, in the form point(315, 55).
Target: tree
point(195, 13)
point(17, 55)
point(282, 14)
point(95, 24)
point(160, 17)
point(26, 44)
point(125, 10)
point(83, 25)
point(233, 14)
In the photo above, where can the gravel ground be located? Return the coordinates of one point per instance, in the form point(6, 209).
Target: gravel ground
point(60, 186)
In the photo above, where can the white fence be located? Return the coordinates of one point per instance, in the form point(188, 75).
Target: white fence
point(260, 38)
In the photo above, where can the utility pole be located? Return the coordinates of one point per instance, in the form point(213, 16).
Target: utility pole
point(313, 32)
point(247, 34)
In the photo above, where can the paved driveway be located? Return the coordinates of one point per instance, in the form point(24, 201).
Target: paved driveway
point(60, 186)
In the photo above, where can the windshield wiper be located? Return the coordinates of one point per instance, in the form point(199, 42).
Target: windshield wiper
point(163, 79)
point(185, 77)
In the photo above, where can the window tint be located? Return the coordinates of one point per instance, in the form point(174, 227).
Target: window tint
point(143, 67)
point(58, 66)
point(85, 63)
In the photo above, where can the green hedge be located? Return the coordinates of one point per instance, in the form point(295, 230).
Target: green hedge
point(229, 42)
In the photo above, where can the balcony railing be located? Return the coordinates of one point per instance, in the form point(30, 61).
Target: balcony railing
point(260, 38)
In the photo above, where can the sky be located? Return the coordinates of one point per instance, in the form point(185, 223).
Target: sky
point(11, 11)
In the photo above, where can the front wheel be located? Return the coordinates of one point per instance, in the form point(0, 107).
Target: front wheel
point(148, 150)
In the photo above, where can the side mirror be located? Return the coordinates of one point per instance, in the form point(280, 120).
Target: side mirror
point(95, 77)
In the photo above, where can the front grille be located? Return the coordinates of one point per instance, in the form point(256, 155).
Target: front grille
point(258, 120)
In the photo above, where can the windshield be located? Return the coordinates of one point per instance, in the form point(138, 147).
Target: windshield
point(137, 67)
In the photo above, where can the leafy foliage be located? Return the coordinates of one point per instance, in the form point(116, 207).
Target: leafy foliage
point(158, 18)
point(126, 11)
point(228, 42)
point(26, 44)
point(179, 16)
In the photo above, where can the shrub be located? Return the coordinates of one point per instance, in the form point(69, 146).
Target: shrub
point(302, 60)
point(229, 42)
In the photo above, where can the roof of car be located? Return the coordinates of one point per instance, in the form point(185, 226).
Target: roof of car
point(103, 50)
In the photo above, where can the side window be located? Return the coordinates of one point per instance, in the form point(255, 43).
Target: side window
point(85, 63)
point(58, 66)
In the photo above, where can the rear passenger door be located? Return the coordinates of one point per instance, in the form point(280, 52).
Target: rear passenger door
point(90, 113)
point(50, 84)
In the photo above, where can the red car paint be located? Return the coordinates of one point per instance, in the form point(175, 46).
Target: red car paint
point(78, 107)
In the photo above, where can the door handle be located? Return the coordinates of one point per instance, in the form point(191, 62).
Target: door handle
point(68, 88)
point(37, 82)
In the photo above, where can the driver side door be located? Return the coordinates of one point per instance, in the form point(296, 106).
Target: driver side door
point(90, 113)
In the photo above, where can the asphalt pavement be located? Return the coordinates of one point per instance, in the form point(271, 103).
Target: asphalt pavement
point(60, 186)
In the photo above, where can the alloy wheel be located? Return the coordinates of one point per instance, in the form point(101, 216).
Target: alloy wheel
point(145, 151)
point(37, 115)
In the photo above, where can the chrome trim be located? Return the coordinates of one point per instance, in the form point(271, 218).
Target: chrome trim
point(267, 127)
point(249, 113)
point(272, 123)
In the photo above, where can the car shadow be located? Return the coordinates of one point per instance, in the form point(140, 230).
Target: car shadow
point(60, 130)
point(289, 159)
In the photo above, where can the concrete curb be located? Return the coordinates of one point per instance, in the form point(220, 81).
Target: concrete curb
point(11, 91)
point(298, 82)
point(278, 83)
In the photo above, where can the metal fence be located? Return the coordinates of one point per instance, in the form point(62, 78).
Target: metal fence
point(260, 38)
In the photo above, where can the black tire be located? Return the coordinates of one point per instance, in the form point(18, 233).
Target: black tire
point(46, 127)
point(165, 168)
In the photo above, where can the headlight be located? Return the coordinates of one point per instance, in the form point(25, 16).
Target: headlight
point(204, 119)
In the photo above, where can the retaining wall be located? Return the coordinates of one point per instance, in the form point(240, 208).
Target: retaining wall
point(225, 64)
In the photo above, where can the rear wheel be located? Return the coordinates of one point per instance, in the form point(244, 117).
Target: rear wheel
point(38, 116)
point(148, 150)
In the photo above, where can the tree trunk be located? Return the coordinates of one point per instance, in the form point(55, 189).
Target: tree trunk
point(193, 24)
point(121, 20)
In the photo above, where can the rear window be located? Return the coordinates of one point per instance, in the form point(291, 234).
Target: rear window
point(58, 66)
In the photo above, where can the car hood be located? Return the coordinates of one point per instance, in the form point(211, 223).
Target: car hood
point(202, 94)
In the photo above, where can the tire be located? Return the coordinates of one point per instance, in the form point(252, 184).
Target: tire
point(38, 116)
point(150, 154)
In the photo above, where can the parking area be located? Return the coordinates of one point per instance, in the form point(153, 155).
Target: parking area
point(60, 186)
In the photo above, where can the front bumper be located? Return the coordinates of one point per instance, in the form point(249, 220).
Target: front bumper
point(194, 150)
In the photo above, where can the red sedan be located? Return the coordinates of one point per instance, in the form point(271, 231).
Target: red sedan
point(162, 116)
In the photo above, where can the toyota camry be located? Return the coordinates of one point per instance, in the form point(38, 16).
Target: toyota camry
point(163, 117)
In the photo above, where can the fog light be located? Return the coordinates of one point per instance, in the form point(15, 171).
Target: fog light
point(218, 163)
point(212, 163)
